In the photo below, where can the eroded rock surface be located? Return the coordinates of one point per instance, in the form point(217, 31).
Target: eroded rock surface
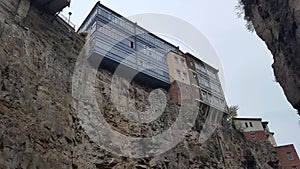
point(39, 127)
point(278, 24)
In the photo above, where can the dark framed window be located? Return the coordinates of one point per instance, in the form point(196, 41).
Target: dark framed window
point(290, 156)
point(250, 123)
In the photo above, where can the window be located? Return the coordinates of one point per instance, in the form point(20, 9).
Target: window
point(94, 28)
point(197, 65)
point(215, 87)
point(131, 44)
point(246, 124)
point(215, 100)
point(253, 136)
point(209, 97)
point(176, 60)
point(194, 75)
point(212, 74)
point(141, 63)
point(178, 73)
point(182, 62)
point(204, 95)
point(166, 74)
point(250, 124)
point(290, 156)
point(185, 76)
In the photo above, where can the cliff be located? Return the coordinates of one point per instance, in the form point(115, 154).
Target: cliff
point(39, 127)
point(277, 23)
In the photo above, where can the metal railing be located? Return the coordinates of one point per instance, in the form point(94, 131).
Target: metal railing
point(67, 20)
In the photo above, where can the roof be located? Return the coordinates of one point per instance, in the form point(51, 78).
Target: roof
point(288, 145)
point(98, 4)
point(206, 64)
point(252, 119)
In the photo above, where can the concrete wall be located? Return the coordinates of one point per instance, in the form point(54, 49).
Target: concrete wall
point(176, 63)
point(272, 140)
point(256, 125)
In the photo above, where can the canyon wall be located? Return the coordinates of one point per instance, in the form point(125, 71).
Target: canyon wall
point(277, 23)
point(39, 127)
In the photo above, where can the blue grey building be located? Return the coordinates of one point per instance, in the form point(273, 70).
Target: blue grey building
point(121, 42)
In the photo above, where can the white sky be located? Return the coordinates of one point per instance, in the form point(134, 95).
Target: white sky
point(245, 59)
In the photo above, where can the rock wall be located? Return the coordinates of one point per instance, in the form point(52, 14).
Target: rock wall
point(40, 129)
point(277, 23)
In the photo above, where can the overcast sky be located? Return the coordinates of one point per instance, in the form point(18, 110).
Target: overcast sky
point(245, 60)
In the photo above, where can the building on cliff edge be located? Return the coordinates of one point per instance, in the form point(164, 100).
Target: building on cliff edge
point(114, 42)
point(255, 130)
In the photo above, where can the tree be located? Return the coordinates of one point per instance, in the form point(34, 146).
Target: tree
point(232, 113)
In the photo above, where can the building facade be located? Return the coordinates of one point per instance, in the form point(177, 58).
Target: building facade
point(255, 130)
point(270, 135)
point(288, 157)
point(119, 42)
point(178, 69)
point(205, 80)
point(115, 42)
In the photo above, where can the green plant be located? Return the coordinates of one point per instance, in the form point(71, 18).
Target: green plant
point(232, 113)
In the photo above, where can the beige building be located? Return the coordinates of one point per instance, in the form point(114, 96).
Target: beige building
point(178, 69)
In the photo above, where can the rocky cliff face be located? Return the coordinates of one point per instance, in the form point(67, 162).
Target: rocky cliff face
point(277, 23)
point(40, 129)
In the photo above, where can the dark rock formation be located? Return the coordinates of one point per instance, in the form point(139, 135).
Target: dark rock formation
point(40, 129)
point(277, 23)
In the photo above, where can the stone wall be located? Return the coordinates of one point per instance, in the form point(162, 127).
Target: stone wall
point(40, 129)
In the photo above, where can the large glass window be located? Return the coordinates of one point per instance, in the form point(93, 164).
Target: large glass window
point(204, 81)
point(215, 87)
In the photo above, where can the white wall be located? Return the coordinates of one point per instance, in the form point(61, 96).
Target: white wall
point(256, 125)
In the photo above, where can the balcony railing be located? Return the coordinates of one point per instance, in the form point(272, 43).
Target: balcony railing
point(67, 20)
